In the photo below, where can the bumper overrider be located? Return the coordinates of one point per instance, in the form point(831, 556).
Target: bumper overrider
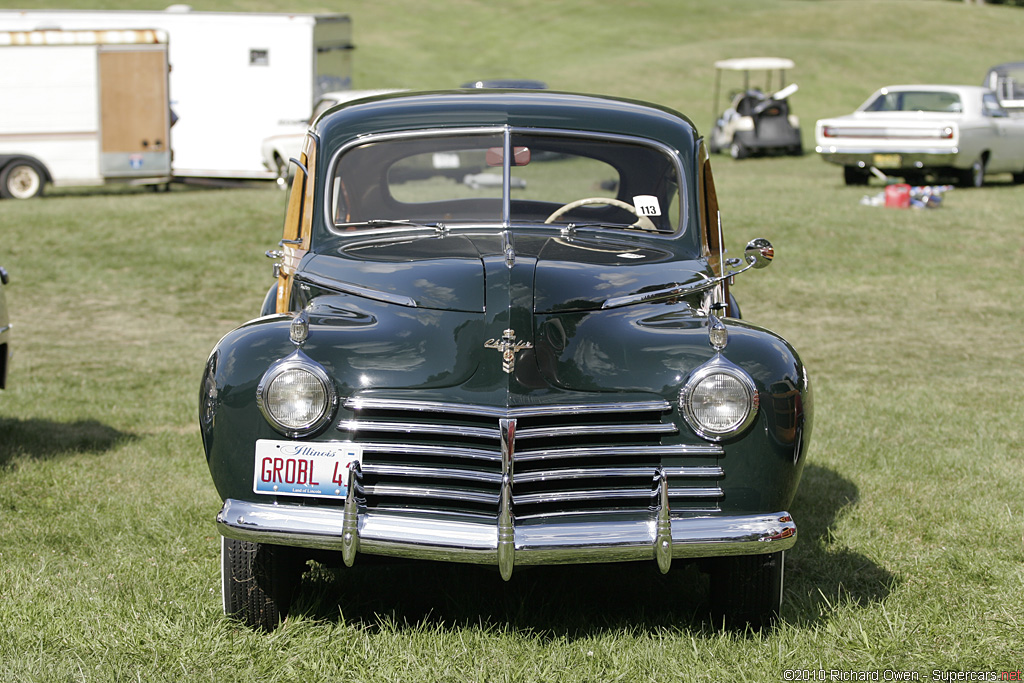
point(472, 539)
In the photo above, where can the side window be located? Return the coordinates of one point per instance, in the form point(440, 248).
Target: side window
point(991, 107)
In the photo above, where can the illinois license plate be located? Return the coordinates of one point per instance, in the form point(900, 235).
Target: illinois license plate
point(319, 470)
point(887, 160)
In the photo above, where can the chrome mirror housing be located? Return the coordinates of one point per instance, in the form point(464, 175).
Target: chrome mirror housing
point(759, 253)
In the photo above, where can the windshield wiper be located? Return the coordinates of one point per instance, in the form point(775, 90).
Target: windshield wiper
point(391, 222)
point(570, 227)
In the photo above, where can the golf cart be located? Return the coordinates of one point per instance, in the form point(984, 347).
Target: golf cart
point(1007, 82)
point(757, 121)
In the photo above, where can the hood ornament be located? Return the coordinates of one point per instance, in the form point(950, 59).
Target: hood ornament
point(509, 347)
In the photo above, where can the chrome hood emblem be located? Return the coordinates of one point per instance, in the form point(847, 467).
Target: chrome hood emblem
point(509, 347)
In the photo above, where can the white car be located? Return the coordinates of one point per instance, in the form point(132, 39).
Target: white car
point(278, 149)
point(925, 132)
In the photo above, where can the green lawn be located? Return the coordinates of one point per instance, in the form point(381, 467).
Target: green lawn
point(911, 511)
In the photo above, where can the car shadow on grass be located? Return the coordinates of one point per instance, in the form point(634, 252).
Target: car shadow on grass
point(44, 439)
point(583, 600)
point(822, 572)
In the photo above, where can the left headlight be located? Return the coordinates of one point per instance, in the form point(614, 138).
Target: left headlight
point(719, 400)
point(296, 396)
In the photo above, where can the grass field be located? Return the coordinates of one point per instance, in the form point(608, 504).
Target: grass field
point(911, 511)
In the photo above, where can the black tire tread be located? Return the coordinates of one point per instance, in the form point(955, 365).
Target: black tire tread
point(259, 582)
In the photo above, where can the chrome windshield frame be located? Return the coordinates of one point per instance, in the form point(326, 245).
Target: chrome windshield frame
point(508, 132)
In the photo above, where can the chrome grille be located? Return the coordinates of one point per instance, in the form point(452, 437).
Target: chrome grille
point(427, 455)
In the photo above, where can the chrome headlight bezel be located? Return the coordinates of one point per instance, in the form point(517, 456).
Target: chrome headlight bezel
point(297, 362)
point(719, 367)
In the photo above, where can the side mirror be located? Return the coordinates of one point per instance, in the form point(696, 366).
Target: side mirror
point(759, 253)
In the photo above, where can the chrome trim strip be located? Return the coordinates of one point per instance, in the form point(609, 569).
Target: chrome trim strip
point(431, 493)
point(466, 538)
point(415, 428)
point(357, 403)
point(610, 494)
point(349, 288)
point(623, 451)
point(580, 430)
point(440, 451)
point(431, 472)
point(612, 472)
point(355, 426)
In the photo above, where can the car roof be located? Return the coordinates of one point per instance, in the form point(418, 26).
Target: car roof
point(348, 95)
point(512, 83)
point(1007, 67)
point(486, 108)
point(931, 87)
point(754, 63)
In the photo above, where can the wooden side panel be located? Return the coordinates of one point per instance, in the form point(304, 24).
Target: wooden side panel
point(134, 109)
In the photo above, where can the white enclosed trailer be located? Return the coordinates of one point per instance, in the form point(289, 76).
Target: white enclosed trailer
point(236, 77)
point(82, 108)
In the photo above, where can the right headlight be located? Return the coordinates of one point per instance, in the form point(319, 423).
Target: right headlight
point(296, 396)
point(719, 400)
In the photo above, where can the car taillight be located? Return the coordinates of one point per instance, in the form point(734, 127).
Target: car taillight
point(947, 133)
point(828, 132)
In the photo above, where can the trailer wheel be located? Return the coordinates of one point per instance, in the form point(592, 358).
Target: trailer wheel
point(21, 180)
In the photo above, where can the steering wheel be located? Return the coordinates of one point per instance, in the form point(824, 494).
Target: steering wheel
point(642, 221)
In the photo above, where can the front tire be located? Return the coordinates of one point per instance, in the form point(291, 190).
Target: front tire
point(21, 180)
point(737, 150)
point(747, 590)
point(258, 581)
point(975, 175)
point(854, 176)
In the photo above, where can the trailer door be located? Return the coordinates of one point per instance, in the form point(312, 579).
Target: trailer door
point(134, 111)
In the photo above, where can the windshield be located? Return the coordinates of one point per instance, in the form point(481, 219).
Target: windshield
point(453, 179)
point(916, 100)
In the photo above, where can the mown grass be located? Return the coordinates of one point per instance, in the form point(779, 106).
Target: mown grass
point(911, 511)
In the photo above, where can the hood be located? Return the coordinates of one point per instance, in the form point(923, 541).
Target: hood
point(455, 272)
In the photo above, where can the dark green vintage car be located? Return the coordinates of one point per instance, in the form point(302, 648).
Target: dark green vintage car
point(501, 333)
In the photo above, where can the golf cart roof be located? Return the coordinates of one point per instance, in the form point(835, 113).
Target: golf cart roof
point(754, 63)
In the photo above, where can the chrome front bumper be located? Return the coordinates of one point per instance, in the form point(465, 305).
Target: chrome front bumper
point(480, 540)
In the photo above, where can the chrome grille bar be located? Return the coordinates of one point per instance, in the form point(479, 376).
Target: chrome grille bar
point(416, 471)
point(418, 428)
point(589, 430)
point(359, 403)
point(611, 494)
point(616, 472)
point(617, 451)
point(435, 451)
point(403, 491)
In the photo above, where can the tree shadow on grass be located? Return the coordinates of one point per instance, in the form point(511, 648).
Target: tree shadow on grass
point(44, 439)
point(583, 600)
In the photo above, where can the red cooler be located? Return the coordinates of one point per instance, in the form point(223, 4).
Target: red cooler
point(897, 196)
